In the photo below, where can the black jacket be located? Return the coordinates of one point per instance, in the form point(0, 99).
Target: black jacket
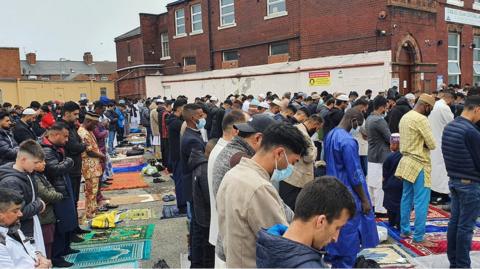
point(74, 149)
point(174, 124)
point(332, 119)
point(396, 114)
point(113, 117)
point(22, 132)
point(26, 186)
point(217, 119)
point(191, 141)
point(8, 147)
point(39, 131)
point(57, 166)
point(198, 163)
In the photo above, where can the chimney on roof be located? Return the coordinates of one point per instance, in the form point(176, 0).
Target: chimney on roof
point(31, 58)
point(88, 58)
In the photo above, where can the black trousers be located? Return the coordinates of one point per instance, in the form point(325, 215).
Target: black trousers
point(164, 149)
point(61, 243)
point(203, 253)
point(289, 194)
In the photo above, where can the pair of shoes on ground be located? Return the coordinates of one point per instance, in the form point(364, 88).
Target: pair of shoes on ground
point(158, 180)
point(106, 207)
point(168, 198)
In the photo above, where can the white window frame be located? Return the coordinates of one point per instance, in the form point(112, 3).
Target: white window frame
point(275, 14)
point(223, 56)
point(177, 25)
point(165, 49)
point(476, 64)
point(200, 31)
point(227, 25)
point(476, 5)
point(457, 61)
point(458, 3)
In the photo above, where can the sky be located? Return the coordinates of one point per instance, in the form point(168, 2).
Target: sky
point(55, 29)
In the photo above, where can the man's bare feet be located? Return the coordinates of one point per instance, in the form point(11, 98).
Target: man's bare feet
point(426, 243)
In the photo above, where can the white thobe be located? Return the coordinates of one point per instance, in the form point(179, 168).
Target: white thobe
point(441, 115)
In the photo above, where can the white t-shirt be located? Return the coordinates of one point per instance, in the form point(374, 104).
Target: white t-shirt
point(213, 204)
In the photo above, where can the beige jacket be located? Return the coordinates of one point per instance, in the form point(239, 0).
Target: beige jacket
point(154, 120)
point(303, 171)
point(246, 203)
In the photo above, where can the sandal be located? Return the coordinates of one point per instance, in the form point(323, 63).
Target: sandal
point(158, 180)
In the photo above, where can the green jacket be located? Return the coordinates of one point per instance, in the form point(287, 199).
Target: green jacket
point(48, 194)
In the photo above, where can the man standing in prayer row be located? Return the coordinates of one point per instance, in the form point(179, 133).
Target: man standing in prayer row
point(343, 162)
point(415, 168)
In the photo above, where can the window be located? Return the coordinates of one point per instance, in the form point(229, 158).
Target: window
point(189, 61)
point(230, 55)
point(476, 59)
point(279, 48)
point(454, 58)
point(103, 91)
point(276, 7)
point(165, 45)
point(180, 22)
point(104, 78)
point(227, 12)
point(197, 18)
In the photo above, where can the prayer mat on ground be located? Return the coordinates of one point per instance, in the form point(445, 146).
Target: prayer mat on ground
point(435, 231)
point(134, 199)
point(123, 181)
point(103, 255)
point(81, 205)
point(388, 256)
point(433, 213)
point(119, 234)
point(128, 169)
point(123, 265)
point(123, 160)
point(135, 214)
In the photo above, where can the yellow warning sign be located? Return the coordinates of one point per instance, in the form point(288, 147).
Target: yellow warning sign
point(319, 78)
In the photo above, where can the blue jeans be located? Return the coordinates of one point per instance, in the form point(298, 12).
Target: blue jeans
point(111, 138)
point(417, 195)
point(465, 211)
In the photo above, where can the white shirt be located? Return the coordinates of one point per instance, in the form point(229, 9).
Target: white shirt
point(246, 105)
point(213, 204)
point(14, 254)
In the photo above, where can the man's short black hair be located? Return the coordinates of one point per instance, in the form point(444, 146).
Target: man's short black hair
point(292, 108)
point(234, 117)
point(330, 101)
point(7, 104)
point(188, 109)
point(35, 105)
point(324, 196)
point(45, 108)
point(367, 92)
point(315, 118)
point(379, 101)
point(282, 134)
point(228, 102)
point(250, 97)
point(32, 148)
point(70, 106)
point(179, 103)
point(361, 102)
point(3, 114)
point(58, 126)
point(98, 104)
point(9, 197)
point(472, 102)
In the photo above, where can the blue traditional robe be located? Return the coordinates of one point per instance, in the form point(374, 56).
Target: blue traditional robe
point(343, 162)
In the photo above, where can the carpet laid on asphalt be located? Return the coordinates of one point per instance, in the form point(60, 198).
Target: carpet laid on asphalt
point(103, 255)
point(118, 234)
point(122, 181)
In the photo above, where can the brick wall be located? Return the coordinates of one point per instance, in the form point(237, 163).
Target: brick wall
point(136, 52)
point(9, 63)
point(133, 88)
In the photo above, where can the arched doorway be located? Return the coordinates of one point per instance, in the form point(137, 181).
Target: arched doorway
point(406, 62)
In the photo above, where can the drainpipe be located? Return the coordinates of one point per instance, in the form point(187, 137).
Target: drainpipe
point(210, 34)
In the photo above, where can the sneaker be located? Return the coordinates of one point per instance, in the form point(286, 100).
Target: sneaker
point(102, 208)
point(61, 263)
point(81, 231)
point(158, 180)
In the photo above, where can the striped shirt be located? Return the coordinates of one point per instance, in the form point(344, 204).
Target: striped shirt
point(416, 141)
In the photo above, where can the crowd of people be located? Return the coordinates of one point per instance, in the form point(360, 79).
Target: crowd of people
point(265, 181)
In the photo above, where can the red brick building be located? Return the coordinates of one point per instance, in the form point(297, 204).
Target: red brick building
point(427, 43)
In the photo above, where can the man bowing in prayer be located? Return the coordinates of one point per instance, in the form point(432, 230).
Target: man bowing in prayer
point(343, 162)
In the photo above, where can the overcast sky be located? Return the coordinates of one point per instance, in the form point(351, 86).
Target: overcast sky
point(57, 29)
